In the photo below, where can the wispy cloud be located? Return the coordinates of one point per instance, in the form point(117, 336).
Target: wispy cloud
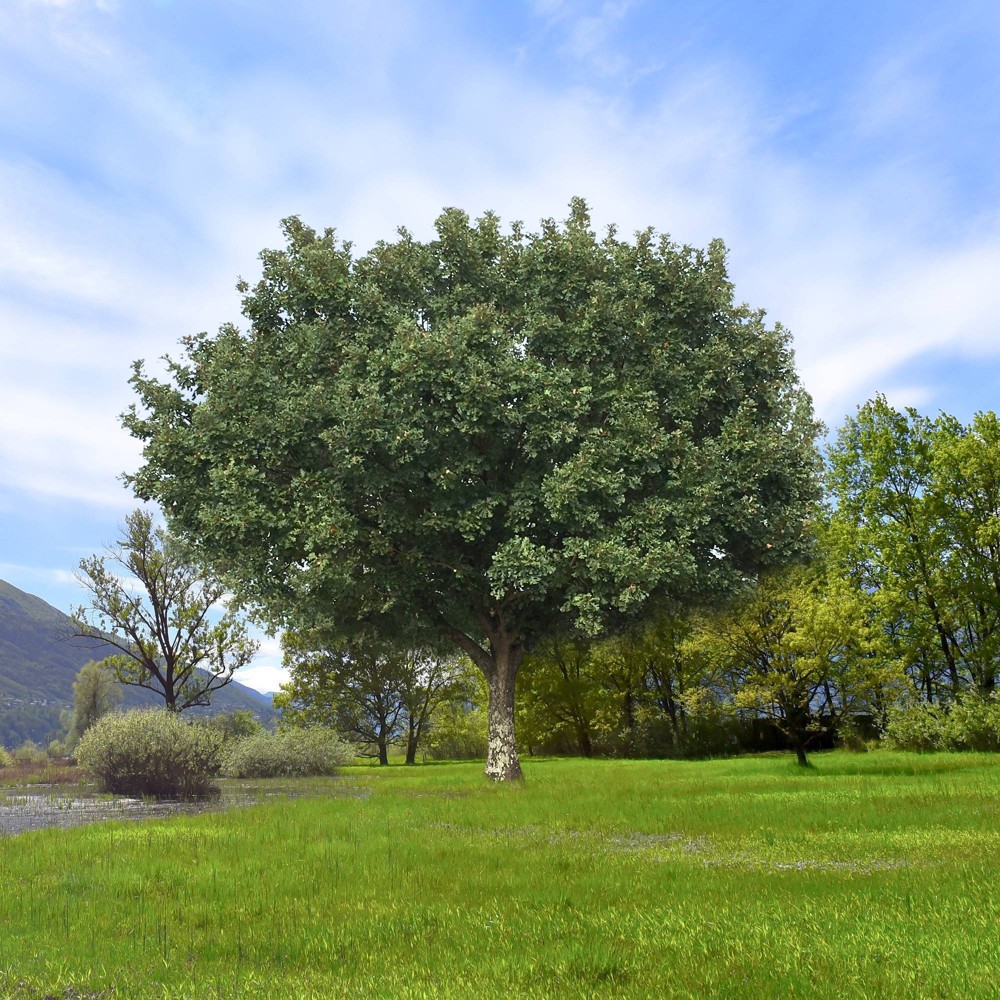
point(60, 577)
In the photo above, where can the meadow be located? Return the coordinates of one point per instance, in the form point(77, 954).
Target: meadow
point(867, 875)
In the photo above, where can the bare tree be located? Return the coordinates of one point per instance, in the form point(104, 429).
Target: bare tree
point(161, 611)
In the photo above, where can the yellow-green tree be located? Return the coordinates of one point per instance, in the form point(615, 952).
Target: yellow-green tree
point(95, 693)
point(797, 648)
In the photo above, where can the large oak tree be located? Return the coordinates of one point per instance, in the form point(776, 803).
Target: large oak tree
point(484, 437)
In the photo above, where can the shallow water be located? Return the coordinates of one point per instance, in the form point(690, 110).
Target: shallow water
point(36, 807)
point(33, 810)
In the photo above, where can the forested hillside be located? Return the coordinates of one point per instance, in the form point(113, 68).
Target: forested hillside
point(39, 661)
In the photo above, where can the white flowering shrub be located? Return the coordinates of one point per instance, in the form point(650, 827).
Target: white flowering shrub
point(290, 752)
point(970, 722)
point(150, 752)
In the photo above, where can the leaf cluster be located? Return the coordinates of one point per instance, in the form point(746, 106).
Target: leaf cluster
point(434, 437)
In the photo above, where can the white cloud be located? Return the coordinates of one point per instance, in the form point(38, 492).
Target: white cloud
point(190, 185)
point(60, 577)
point(265, 673)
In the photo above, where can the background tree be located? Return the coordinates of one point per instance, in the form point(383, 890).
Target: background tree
point(161, 611)
point(95, 693)
point(560, 697)
point(484, 438)
point(918, 507)
point(432, 682)
point(378, 695)
point(458, 730)
point(794, 646)
point(655, 674)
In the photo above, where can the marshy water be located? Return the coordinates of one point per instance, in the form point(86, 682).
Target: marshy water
point(37, 807)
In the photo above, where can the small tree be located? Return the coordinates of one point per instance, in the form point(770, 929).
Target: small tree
point(95, 693)
point(376, 695)
point(158, 615)
point(795, 648)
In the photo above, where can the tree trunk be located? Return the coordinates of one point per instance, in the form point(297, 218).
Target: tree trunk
point(383, 753)
point(501, 754)
point(411, 746)
point(499, 666)
point(800, 755)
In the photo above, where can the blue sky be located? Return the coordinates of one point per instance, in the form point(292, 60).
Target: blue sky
point(846, 152)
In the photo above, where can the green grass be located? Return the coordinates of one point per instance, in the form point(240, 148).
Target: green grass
point(867, 876)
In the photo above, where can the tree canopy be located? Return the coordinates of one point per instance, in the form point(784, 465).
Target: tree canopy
point(485, 437)
point(918, 512)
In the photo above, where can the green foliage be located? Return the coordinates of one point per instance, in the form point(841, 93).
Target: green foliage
point(919, 725)
point(5, 758)
point(23, 722)
point(483, 438)
point(796, 647)
point(918, 514)
point(95, 693)
point(232, 726)
point(150, 752)
point(29, 753)
point(287, 753)
point(167, 638)
point(971, 722)
point(375, 694)
point(459, 728)
point(559, 698)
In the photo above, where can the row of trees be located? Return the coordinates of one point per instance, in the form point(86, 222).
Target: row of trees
point(898, 597)
point(897, 602)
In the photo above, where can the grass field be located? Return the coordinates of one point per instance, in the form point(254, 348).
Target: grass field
point(872, 875)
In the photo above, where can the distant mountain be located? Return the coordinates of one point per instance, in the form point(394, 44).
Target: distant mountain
point(39, 662)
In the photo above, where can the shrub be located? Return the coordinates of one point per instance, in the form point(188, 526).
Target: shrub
point(915, 727)
point(973, 723)
point(286, 753)
point(231, 726)
point(850, 735)
point(150, 752)
point(457, 733)
point(29, 752)
point(5, 759)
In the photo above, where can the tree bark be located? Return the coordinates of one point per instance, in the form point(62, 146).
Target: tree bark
point(411, 746)
point(499, 666)
point(502, 763)
point(383, 753)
